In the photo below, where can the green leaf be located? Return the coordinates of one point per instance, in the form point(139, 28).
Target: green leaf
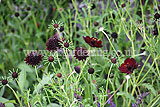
point(25, 67)
point(53, 105)
point(3, 100)
point(127, 95)
point(11, 101)
point(150, 87)
point(44, 81)
point(22, 79)
point(2, 91)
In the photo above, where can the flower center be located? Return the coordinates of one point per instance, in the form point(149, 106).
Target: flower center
point(93, 41)
point(129, 67)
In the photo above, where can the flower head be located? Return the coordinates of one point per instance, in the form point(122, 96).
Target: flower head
point(53, 44)
point(14, 75)
point(50, 58)
point(66, 44)
point(128, 66)
point(93, 42)
point(4, 81)
point(33, 58)
point(114, 35)
point(77, 69)
point(90, 70)
point(81, 53)
point(113, 60)
point(157, 16)
point(59, 75)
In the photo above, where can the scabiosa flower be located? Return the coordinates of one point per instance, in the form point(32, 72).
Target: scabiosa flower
point(61, 29)
point(55, 25)
point(66, 44)
point(16, 14)
point(51, 59)
point(96, 23)
point(90, 70)
point(12, 30)
point(123, 5)
point(33, 58)
point(28, 8)
point(77, 69)
point(114, 35)
point(113, 60)
point(128, 66)
point(105, 76)
point(81, 53)
point(157, 16)
point(93, 42)
point(53, 44)
point(2, 105)
point(14, 75)
point(4, 81)
point(21, 49)
point(59, 75)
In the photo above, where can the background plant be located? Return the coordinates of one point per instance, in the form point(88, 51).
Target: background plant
point(24, 26)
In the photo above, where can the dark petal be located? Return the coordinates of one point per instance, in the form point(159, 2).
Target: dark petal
point(130, 61)
point(123, 68)
point(87, 39)
point(136, 66)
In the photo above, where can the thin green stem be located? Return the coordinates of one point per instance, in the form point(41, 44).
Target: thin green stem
point(15, 95)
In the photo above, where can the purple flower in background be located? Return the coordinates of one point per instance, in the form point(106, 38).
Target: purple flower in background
point(110, 102)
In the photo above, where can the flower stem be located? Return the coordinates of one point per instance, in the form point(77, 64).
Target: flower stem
point(110, 43)
point(115, 92)
point(15, 95)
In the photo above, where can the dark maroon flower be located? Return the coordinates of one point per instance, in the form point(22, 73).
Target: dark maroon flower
point(96, 23)
point(128, 66)
point(81, 53)
point(113, 60)
point(113, 15)
point(123, 5)
point(105, 76)
point(55, 25)
point(51, 59)
point(157, 16)
point(14, 75)
point(2, 105)
point(28, 8)
point(59, 75)
point(16, 14)
point(114, 35)
point(93, 42)
point(66, 44)
point(33, 58)
point(61, 29)
point(12, 30)
point(4, 82)
point(21, 49)
point(53, 43)
point(93, 6)
point(77, 69)
point(90, 70)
